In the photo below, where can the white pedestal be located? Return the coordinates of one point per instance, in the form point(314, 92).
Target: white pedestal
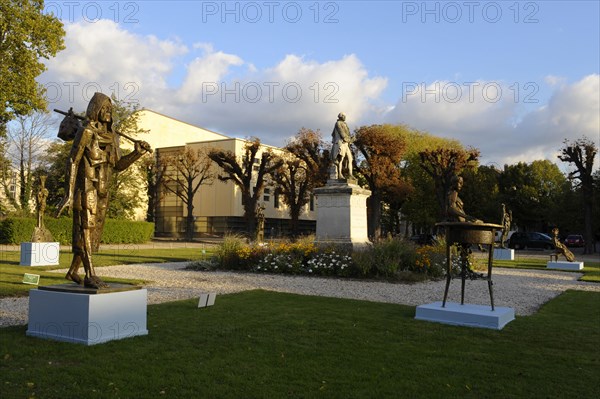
point(39, 253)
point(342, 214)
point(466, 315)
point(87, 318)
point(504, 254)
point(564, 265)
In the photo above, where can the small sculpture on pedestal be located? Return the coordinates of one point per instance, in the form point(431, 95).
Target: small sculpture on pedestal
point(561, 249)
point(506, 221)
point(341, 155)
point(41, 233)
point(260, 223)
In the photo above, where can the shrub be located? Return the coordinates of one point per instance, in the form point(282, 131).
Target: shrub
point(18, 230)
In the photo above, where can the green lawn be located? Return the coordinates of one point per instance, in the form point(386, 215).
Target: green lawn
point(11, 274)
point(261, 344)
point(591, 270)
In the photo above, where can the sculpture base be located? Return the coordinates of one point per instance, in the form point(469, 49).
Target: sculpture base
point(564, 265)
point(504, 254)
point(479, 316)
point(39, 253)
point(342, 214)
point(87, 318)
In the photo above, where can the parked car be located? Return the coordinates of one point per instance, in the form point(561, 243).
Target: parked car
point(522, 240)
point(574, 240)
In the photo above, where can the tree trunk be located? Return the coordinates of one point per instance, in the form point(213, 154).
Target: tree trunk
point(294, 217)
point(374, 219)
point(589, 248)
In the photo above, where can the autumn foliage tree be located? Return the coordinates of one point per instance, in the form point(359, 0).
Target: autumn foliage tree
point(581, 154)
point(441, 164)
point(380, 149)
point(240, 170)
point(183, 174)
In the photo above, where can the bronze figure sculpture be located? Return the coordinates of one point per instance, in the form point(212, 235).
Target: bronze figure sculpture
point(455, 208)
point(506, 221)
point(561, 249)
point(95, 154)
point(41, 233)
point(341, 155)
point(260, 218)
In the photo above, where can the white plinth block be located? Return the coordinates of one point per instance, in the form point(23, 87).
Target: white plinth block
point(87, 319)
point(564, 265)
point(504, 254)
point(39, 253)
point(342, 213)
point(466, 315)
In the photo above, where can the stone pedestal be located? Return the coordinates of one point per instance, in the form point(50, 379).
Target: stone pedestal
point(72, 313)
point(39, 253)
point(466, 315)
point(564, 265)
point(342, 213)
point(504, 254)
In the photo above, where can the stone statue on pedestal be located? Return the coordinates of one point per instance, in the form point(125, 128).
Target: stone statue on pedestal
point(341, 156)
point(561, 249)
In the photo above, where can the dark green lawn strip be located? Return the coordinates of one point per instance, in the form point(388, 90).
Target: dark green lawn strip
point(591, 270)
point(272, 345)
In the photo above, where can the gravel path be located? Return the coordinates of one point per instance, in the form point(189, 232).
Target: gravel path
point(523, 290)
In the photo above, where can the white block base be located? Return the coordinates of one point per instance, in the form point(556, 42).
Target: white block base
point(39, 253)
point(564, 265)
point(504, 254)
point(466, 315)
point(87, 318)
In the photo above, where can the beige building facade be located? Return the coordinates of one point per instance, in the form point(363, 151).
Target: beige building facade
point(218, 206)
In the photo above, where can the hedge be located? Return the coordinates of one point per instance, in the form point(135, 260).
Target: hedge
point(14, 230)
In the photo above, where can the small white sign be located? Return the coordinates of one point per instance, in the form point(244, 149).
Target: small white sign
point(207, 299)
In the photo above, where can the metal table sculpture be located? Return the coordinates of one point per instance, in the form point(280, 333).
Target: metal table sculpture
point(465, 234)
point(464, 230)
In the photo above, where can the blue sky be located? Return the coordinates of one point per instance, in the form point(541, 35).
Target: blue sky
point(511, 78)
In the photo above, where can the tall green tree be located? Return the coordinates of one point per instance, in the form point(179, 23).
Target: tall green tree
point(442, 164)
point(240, 170)
point(27, 36)
point(533, 192)
point(481, 193)
point(581, 154)
point(380, 149)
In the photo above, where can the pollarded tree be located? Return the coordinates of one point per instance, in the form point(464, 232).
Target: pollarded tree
point(182, 174)
point(240, 170)
point(302, 169)
point(581, 153)
point(27, 35)
point(441, 164)
point(381, 148)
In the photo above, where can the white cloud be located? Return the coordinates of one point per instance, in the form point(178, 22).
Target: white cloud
point(498, 128)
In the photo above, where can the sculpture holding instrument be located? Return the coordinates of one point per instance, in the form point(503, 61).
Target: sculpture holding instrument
point(561, 249)
point(341, 155)
point(95, 155)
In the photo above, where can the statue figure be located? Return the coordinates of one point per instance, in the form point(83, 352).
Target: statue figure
point(94, 156)
point(340, 151)
point(260, 226)
point(455, 208)
point(41, 233)
point(561, 249)
point(506, 221)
